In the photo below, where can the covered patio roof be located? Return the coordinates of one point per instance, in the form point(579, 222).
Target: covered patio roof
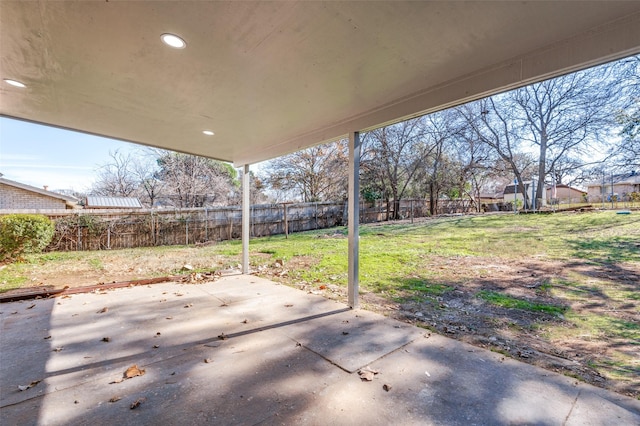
point(257, 80)
point(269, 78)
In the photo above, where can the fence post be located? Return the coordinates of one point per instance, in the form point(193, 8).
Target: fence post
point(252, 220)
point(286, 222)
point(109, 237)
point(411, 203)
point(186, 231)
point(79, 242)
point(206, 225)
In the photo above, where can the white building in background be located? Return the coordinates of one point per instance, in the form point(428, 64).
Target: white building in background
point(512, 192)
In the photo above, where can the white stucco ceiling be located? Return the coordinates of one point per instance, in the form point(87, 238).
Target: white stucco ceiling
point(273, 77)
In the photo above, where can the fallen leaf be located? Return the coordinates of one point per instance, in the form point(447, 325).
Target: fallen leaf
point(103, 310)
point(223, 336)
point(224, 304)
point(323, 287)
point(32, 306)
point(169, 318)
point(208, 360)
point(344, 333)
point(47, 338)
point(288, 305)
point(118, 380)
point(135, 404)
point(106, 339)
point(189, 305)
point(156, 346)
point(367, 374)
point(58, 349)
point(245, 321)
point(29, 386)
point(133, 371)
point(115, 398)
point(386, 387)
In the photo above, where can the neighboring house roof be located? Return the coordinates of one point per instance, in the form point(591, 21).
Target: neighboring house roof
point(560, 185)
point(113, 203)
point(71, 201)
point(631, 178)
point(509, 189)
point(492, 195)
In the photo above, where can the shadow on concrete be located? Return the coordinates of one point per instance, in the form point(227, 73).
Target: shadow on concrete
point(288, 358)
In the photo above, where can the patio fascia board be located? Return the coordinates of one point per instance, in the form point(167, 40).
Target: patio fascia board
point(606, 43)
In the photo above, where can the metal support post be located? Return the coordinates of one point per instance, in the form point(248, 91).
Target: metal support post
point(353, 217)
point(246, 213)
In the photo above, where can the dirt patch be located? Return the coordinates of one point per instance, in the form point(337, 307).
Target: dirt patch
point(522, 334)
point(458, 311)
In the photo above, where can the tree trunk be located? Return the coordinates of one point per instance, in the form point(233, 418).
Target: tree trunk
point(433, 207)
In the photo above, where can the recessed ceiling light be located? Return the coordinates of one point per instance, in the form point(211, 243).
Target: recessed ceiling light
point(15, 83)
point(208, 132)
point(173, 40)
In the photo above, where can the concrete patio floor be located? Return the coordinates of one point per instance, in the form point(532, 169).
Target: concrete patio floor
point(243, 350)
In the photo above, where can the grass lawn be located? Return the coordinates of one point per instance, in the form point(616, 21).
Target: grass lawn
point(566, 284)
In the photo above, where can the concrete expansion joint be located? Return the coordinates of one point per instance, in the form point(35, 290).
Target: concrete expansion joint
point(575, 401)
point(322, 356)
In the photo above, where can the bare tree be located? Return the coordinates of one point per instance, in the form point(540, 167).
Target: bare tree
point(474, 159)
point(314, 174)
point(626, 153)
point(257, 188)
point(145, 170)
point(391, 158)
point(440, 172)
point(116, 178)
point(565, 116)
point(491, 122)
point(193, 181)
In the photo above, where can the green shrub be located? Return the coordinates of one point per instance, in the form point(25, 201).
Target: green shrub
point(24, 233)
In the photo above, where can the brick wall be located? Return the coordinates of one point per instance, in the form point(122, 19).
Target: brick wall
point(16, 198)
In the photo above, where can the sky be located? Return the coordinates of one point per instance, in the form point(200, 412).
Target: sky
point(40, 155)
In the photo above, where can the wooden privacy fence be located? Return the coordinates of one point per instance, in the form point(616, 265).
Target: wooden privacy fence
point(113, 229)
point(100, 230)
